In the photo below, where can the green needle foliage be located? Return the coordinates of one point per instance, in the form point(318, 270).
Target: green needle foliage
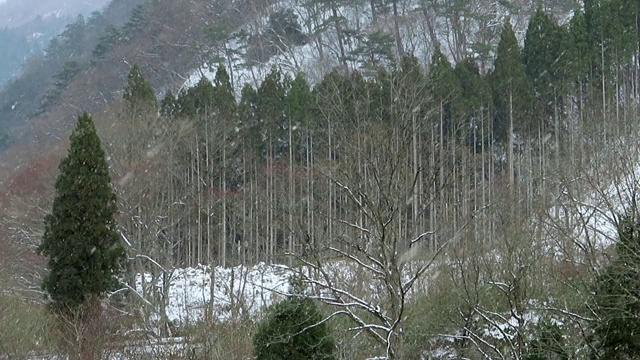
point(511, 87)
point(138, 93)
point(291, 330)
point(80, 237)
point(617, 298)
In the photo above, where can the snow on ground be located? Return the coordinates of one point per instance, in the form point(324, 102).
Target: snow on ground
point(594, 217)
point(236, 291)
point(246, 291)
point(308, 59)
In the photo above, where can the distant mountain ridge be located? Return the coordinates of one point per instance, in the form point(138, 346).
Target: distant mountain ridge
point(27, 26)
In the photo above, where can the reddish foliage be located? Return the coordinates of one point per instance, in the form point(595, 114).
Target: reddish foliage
point(282, 169)
point(32, 258)
point(216, 193)
point(34, 178)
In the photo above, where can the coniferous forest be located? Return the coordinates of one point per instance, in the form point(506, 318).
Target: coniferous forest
point(464, 202)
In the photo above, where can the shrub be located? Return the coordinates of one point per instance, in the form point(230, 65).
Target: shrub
point(292, 330)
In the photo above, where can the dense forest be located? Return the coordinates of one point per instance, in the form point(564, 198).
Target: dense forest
point(483, 196)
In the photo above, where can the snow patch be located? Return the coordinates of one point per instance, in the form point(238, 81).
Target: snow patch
point(238, 291)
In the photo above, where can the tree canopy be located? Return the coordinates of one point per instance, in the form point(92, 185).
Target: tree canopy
point(80, 238)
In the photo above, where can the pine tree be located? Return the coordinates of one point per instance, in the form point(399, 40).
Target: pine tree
point(545, 64)
point(475, 99)
point(579, 52)
point(248, 118)
point(284, 29)
point(169, 105)
point(271, 104)
point(136, 23)
point(225, 99)
point(617, 298)
point(80, 237)
point(445, 89)
point(198, 100)
point(511, 95)
point(374, 50)
point(511, 89)
point(138, 93)
point(299, 102)
point(292, 330)
point(107, 41)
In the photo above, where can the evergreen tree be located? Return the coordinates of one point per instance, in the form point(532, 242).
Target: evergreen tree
point(549, 344)
point(299, 101)
point(136, 23)
point(511, 96)
point(612, 33)
point(80, 237)
point(616, 298)
point(292, 330)
point(445, 89)
point(544, 59)
point(169, 104)
point(475, 100)
point(330, 95)
point(198, 99)
point(578, 53)
point(225, 99)
point(248, 119)
point(511, 89)
point(270, 111)
point(248, 107)
point(284, 29)
point(138, 93)
point(411, 88)
point(62, 78)
point(374, 50)
point(107, 41)
point(73, 38)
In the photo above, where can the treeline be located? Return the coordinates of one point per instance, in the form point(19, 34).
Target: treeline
point(249, 179)
point(388, 169)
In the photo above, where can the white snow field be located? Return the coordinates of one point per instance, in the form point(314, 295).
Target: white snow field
point(242, 289)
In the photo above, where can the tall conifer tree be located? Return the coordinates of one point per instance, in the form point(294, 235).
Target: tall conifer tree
point(544, 59)
point(511, 94)
point(445, 90)
point(80, 238)
point(138, 93)
point(511, 89)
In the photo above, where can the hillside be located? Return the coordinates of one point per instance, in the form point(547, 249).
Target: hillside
point(17, 13)
point(447, 179)
point(28, 26)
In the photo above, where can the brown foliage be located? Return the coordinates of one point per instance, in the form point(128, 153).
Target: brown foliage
point(34, 178)
point(83, 334)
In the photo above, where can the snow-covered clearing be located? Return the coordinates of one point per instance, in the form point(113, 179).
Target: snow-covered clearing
point(243, 291)
point(236, 291)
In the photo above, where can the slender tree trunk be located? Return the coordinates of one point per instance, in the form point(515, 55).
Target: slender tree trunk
point(510, 160)
point(340, 34)
point(396, 28)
